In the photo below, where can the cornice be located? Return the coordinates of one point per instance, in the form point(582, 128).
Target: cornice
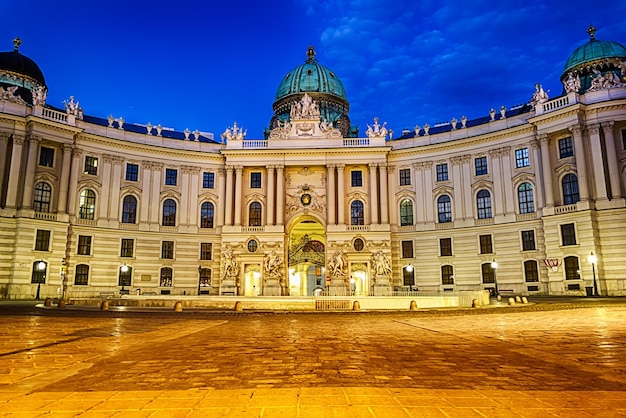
point(49, 124)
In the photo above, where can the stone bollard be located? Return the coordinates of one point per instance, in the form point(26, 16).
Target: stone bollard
point(356, 306)
point(104, 306)
point(61, 304)
point(524, 300)
point(475, 303)
point(47, 302)
point(413, 306)
point(238, 306)
point(178, 306)
point(499, 298)
point(511, 301)
point(518, 299)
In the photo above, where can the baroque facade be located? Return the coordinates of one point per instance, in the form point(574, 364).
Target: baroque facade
point(527, 200)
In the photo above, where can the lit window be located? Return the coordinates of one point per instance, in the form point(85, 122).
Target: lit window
point(206, 215)
point(127, 247)
point(406, 212)
point(91, 165)
point(447, 275)
point(81, 278)
point(41, 200)
point(255, 214)
point(87, 204)
point(206, 251)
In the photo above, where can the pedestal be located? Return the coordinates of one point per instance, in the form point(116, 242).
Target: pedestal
point(272, 287)
point(338, 286)
point(382, 286)
point(228, 286)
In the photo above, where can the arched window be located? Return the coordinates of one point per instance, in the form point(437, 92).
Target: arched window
point(570, 189)
point(531, 271)
point(255, 213)
point(166, 277)
point(41, 200)
point(39, 272)
point(488, 273)
point(572, 269)
point(207, 213)
point(81, 278)
point(525, 198)
point(126, 275)
point(444, 209)
point(169, 213)
point(87, 204)
point(357, 215)
point(483, 204)
point(408, 276)
point(406, 212)
point(447, 274)
point(129, 210)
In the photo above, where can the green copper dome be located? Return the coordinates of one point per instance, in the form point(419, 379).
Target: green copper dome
point(594, 50)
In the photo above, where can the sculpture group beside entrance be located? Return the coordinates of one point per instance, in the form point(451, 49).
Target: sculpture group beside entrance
point(230, 273)
point(381, 266)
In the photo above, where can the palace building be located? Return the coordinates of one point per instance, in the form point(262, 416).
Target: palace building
point(526, 200)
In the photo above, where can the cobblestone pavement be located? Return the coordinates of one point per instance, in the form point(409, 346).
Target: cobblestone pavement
point(537, 361)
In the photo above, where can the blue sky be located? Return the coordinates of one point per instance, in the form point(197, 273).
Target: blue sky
point(204, 64)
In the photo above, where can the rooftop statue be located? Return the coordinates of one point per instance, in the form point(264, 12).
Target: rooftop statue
point(377, 130)
point(234, 133)
point(72, 107)
point(39, 96)
point(572, 84)
point(539, 96)
point(305, 108)
point(9, 94)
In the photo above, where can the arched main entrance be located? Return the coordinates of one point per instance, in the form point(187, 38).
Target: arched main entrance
point(307, 247)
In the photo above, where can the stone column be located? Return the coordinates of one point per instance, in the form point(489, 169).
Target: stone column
point(373, 194)
point(466, 190)
point(546, 169)
point(341, 194)
point(581, 166)
point(270, 195)
point(238, 192)
point(29, 178)
point(505, 162)
point(65, 178)
point(146, 177)
point(539, 182)
point(155, 194)
point(14, 171)
point(116, 180)
point(4, 146)
point(420, 209)
point(183, 219)
point(105, 172)
point(597, 161)
point(458, 188)
point(332, 219)
point(192, 193)
point(384, 196)
point(498, 196)
point(229, 195)
point(221, 193)
point(428, 191)
point(611, 156)
point(393, 213)
point(280, 194)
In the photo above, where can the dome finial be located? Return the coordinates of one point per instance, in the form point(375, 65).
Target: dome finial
point(310, 55)
point(592, 32)
point(16, 43)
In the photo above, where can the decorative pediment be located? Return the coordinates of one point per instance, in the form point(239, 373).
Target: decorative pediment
point(524, 177)
point(482, 184)
point(89, 184)
point(565, 168)
point(441, 190)
point(172, 194)
point(47, 177)
point(304, 122)
point(207, 196)
point(131, 189)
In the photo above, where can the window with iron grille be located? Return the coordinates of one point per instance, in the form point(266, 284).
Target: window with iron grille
point(166, 277)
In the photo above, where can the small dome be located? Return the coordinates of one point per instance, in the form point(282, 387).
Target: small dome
point(16, 63)
point(594, 50)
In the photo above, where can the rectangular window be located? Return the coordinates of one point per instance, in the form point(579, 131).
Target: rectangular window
point(405, 177)
point(568, 234)
point(132, 172)
point(255, 180)
point(407, 249)
point(566, 148)
point(357, 178)
point(46, 157)
point(531, 271)
point(206, 251)
point(481, 166)
point(447, 275)
point(442, 172)
point(208, 180)
point(42, 240)
point(127, 247)
point(91, 165)
point(445, 247)
point(528, 240)
point(167, 250)
point(84, 245)
point(171, 176)
point(81, 278)
point(521, 158)
point(485, 244)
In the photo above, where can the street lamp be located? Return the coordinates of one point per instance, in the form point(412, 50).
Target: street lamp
point(593, 259)
point(123, 269)
point(409, 269)
point(41, 266)
point(494, 267)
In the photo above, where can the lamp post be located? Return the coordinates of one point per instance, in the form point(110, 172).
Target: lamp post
point(593, 259)
point(199, 278)
point(494, 267)
point(409, 268)
point(40, 266)
point(123, 269)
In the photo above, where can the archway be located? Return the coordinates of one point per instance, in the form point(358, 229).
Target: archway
point(307, 259)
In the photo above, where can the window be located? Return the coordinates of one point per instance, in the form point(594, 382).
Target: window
point(167, 250)
point(127, 247)
point(205, 280)
point(357, 178)
point(166, 277)
point(357, 215)
point(405, 177)
point(358, 244)
point(81, 278)
point(91, 165)
point(46, 156)
point(624, 139)
point(521, 158)
point(570, 189)
point(447, 275)
point(255, 180)
point(481, 166)
point(444, 209)
point(408, 276)
point(445, 247)
point(407, 249)
point(254, 214)
point(483, 203)
point(132, 172)
point(488, 273)
point(41, 200)
point(42, 240)
point(171, 176)
point(572, 269)
point(486, 246)
point(442, 172)
point(129, 210)
point(84, 245)
point(87, 202)
point(565, 147)
point(568, 234)
point(207, 213)
point(525, 198)
point(406, 212)
point(252, 246)
point(39, 272)
point(206, 251)
point(126, 275)
point(208, 180)
point(531, 271)
point(528, 240)
point(169, 213)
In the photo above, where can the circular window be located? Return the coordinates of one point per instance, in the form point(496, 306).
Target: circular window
point(358, 244)
point(253, 245)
